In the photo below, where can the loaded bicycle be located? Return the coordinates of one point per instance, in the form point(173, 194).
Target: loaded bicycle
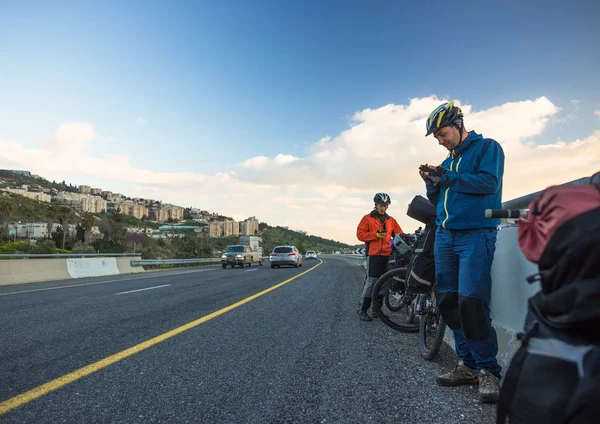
point(406, 297)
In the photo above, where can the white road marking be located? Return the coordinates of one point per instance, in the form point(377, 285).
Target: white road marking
point(148, 288)
point(248, 270)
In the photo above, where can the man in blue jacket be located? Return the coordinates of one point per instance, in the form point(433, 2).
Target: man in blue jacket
point(467, 182)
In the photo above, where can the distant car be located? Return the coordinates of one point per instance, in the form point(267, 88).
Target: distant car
point(311, 254)
point(286, 255)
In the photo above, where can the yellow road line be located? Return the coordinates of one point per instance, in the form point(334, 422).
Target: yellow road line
point(98, 282)
point(55, 384)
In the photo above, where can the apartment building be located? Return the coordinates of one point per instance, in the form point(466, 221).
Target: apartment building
point(249, 226)
point(216, 229)
point(164, 212)
point(132, 208)
point(84, 189)
point(35, 195)
point(108, 195)
point(231, 228)
point(82, 202)
point(96, 191)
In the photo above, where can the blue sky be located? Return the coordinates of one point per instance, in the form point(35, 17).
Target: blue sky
point(214, 83)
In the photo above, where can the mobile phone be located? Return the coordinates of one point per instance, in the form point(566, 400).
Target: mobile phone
point(425, 168)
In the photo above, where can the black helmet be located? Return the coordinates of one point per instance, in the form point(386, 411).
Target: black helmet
point(382, 198)
point(445, 115)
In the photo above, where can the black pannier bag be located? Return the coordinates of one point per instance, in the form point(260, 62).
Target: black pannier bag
point(420, 273)
point(422, 210)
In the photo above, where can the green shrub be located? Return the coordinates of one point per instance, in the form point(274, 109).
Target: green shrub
point(45, 247)
point(82, 248)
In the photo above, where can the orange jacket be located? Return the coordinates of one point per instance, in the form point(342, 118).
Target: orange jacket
point(368, 228)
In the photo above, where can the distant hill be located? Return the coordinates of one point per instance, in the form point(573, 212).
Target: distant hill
point(276, 236)
point(29, 210)
point(28, 180)
point(25, 209)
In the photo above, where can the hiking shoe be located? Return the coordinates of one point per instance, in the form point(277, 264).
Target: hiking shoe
point(461, 375)
point(363, 316)
point(489, 392)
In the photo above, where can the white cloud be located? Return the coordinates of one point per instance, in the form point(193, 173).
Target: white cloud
point(597, 112)
point(327, 191)
point(141, 120)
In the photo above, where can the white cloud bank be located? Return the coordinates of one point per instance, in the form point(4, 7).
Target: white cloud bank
point(327, 192)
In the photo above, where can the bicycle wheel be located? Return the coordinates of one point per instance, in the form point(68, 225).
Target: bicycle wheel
point(432, 327)
point(390, 291)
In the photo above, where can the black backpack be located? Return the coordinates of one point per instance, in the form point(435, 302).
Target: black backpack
point(420, 272)
point(554, 378)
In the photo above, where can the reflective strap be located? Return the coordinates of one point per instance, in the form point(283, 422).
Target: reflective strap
point(560, 350)
point(419, 279)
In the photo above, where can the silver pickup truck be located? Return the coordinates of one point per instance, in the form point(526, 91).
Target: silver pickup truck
point(237, 255)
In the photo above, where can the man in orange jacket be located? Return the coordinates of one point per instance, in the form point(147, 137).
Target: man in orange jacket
point(376, 230)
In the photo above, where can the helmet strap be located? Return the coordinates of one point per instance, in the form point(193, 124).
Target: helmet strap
point(461, 129)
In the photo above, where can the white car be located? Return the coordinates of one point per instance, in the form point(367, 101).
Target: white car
point(286, 255)
point(311, 254)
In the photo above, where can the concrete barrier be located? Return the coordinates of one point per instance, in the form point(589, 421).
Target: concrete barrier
point(91, 267)
point(21, 271)
point(124, 265)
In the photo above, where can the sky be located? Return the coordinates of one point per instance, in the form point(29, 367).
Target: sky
point(294, 112)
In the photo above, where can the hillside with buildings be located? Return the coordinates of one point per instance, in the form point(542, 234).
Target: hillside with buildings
point(94, 200)
point(89, 219)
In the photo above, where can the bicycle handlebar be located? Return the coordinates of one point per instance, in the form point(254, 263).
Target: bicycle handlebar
point(506, 213)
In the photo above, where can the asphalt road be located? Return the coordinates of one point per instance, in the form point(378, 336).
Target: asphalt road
point(296, 354)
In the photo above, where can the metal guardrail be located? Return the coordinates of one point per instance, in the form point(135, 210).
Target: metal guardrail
point(524, 201)
point(144, 262)
point(65, 255)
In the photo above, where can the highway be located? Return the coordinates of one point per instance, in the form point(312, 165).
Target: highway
point(212, 345)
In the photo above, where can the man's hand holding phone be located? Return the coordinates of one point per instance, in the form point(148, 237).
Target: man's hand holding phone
point(431, 174)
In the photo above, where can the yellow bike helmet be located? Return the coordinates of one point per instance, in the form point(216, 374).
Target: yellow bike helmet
point(445, 115)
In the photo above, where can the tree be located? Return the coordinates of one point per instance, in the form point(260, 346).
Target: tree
point(114, 234)
point(64, 215)
point(192, 246)
point(117, 216)
point(87, 223)
point(51, 215)
point(6, 210)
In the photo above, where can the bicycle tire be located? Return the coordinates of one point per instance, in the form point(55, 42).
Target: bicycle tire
point(430, 352)
point(393, 308)
point(382, 285)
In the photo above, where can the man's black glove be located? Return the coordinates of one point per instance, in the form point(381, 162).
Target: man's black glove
point(431, 174)
point(432, 171)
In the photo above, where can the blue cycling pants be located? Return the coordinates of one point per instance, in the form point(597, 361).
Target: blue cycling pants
point(463, 262)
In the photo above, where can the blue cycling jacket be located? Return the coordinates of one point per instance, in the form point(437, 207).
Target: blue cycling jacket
point(471, 182)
